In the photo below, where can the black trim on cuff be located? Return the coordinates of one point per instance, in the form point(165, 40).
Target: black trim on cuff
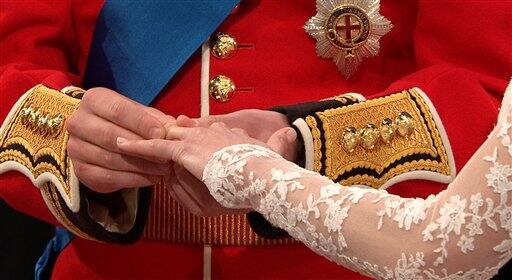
point(302, 110)
point(85, 223)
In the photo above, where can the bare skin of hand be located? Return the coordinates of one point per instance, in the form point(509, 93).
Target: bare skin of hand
point(190, 149)
point(189, 191)
point(104, 115)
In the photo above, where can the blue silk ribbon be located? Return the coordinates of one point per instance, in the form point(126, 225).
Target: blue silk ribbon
point(138, 46)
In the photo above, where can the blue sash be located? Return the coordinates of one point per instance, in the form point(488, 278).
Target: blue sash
point(137, 47)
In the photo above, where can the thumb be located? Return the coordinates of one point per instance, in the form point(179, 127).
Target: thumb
point(284, 142)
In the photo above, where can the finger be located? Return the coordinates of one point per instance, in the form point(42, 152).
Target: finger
point(282, 142)
point(176, 132)
point(185, 121)
point(171, 182)
point(165, 120)
point(165, 150)
point(109, 105)
point(186, 201)
point(161, 116)
point(193, 187)
point(92, 154)
point(105, 180)
point(98, 131)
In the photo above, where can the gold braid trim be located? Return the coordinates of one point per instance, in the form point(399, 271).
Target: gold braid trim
point(422, 150)
point(33, 140)
point(51, 197)
point(33, 136)
point(317, 143)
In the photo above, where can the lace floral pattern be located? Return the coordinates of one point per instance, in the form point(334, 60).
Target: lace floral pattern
point(440, 237)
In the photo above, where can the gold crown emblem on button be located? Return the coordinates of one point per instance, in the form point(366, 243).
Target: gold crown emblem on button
point(223, 46)
point(221, 88)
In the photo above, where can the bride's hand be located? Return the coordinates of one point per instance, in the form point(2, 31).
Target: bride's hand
point(192, 146)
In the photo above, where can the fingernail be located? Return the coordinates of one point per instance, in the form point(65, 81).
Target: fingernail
point(156, 133)
point(121, 140)
point(291, 135)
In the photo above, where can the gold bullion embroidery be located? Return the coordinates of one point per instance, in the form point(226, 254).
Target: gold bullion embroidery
point(423, 149)
point(33, 136)
point(317, 143)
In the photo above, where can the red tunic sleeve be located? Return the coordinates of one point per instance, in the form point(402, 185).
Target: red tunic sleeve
point(42, 42)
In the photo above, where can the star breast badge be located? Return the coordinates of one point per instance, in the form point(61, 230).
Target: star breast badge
point(347, 31)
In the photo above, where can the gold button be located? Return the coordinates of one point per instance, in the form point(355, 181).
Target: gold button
point(369, 136)
point(349, 139)
point(223, 46)
point(405, 124)
point(387, 130)
point(221, 88)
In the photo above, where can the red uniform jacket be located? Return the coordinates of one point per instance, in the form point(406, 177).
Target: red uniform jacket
point(458, 52)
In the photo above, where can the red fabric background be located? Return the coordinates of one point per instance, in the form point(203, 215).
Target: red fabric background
point(458, 52)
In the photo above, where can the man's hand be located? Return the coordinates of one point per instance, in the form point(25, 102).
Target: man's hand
point(259, 124)
point(104, 115)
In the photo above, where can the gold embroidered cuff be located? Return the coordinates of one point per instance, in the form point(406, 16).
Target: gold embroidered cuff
point(33, 140)
point(383, 141)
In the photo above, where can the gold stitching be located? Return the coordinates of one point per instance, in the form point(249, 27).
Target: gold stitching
point(339, 162)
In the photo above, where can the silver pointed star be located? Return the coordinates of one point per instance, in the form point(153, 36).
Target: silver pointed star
point(347, 31)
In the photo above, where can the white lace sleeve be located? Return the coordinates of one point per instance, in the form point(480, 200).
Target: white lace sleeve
point(462, 232)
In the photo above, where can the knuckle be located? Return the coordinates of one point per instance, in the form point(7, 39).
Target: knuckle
point(88, 95)
point(107, 137)
point(109, 159)
point(72, 147)
point(72, 122)
point(116, 108)
point(91, 94)
point(108, 179)
point(151, 144)
point(101, 187)
point(103, 182)
point(144, 123)
point(80, 170)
